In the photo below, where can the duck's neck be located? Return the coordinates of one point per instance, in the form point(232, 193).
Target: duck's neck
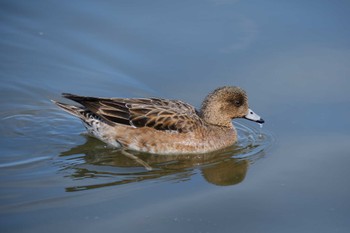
point(212, 114)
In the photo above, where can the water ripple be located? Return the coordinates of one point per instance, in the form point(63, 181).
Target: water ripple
point(23, 162)
point(108, 167)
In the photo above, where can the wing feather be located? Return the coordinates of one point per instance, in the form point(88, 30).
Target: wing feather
point(160, 114)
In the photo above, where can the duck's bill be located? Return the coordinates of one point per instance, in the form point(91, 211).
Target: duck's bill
point(252, 116)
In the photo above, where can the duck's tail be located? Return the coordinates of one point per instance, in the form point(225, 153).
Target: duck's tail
point(74, 110)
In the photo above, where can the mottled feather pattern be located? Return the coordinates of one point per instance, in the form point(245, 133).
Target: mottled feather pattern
point(160, 114)
point(162, 125)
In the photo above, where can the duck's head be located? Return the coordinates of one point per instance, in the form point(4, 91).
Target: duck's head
point(226, 103)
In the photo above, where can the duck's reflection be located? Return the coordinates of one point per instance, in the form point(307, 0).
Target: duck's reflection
point(110, 167)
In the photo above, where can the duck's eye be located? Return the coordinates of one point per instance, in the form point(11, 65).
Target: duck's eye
point(237, 103)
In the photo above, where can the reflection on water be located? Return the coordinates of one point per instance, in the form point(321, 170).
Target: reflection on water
point(109, 167)
point(292, 57)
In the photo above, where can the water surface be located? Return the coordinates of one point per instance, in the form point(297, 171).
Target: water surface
point(292, 58)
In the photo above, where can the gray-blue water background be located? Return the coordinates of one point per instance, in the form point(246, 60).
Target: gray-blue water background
point(292, 57)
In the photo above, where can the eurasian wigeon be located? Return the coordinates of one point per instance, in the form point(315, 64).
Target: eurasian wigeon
point(164, 126)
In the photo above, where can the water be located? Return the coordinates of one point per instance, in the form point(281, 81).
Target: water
point(289, 176)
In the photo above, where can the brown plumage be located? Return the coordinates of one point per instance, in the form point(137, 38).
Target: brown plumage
point(164, 126)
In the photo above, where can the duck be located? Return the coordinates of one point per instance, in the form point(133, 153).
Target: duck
point(164, 126)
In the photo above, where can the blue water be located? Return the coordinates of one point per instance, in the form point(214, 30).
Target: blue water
point(292, 58)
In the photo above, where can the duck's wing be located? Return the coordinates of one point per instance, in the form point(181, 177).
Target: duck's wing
point(160, 114)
